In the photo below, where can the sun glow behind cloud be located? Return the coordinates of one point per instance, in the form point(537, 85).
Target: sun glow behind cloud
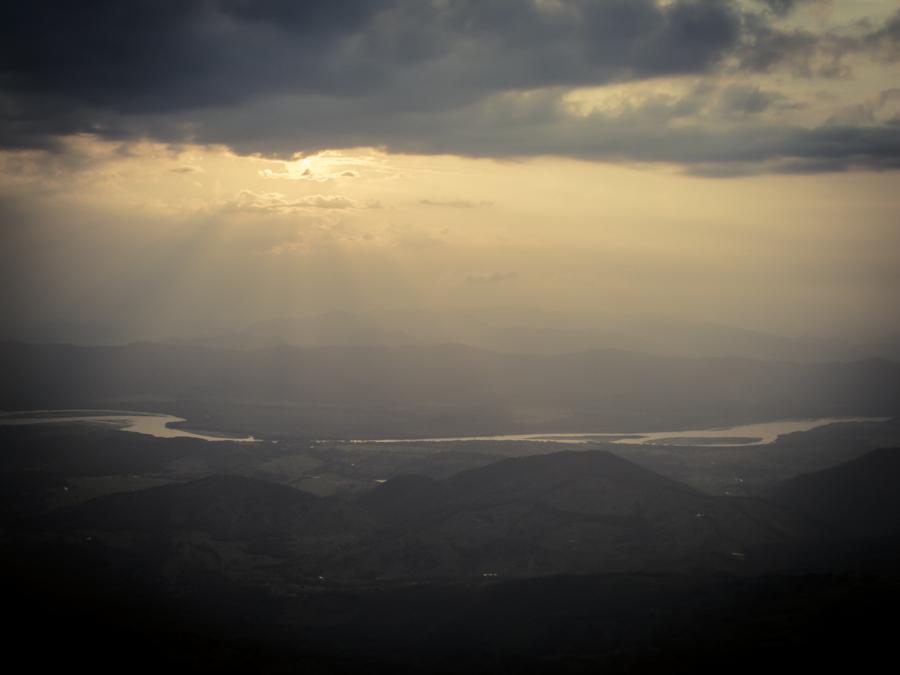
point(733, 162)
point(198, 235)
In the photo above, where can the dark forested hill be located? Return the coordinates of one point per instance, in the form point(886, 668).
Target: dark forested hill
point(561, 513)
point(859, 498)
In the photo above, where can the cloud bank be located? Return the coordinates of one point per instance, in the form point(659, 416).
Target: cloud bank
point(466, 77)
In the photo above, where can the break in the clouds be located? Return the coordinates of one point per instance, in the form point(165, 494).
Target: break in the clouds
point(479, 78)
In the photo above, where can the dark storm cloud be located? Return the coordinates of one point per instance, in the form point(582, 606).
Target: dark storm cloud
point(280, 76)
point(751, 100)
point(168, 55)
point(886, 40)
point(766, 46)
point(785, 7)
point(780, 6)
point(804, 53)
point(512, 126)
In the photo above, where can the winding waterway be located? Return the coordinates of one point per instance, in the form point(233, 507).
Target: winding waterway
point(151, 424)
point(761, 433)
point(162, 426)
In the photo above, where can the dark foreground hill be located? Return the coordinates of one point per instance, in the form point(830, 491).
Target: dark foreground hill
point(68, 606)
point(436, 390)
point(226, 507)
point(232, 575)
point(857, 499)
point(570, 512)
point(564, 513)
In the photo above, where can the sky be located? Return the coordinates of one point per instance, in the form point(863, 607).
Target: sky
point(182, 168)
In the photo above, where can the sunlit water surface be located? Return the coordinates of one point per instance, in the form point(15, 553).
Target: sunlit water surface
point(761, 433)
point(160, 426)
point(151, 424)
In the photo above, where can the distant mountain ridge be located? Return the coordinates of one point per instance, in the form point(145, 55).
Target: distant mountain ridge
point(437, 390)
point(512, 330)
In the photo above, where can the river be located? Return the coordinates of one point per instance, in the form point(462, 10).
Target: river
point(151, 424)
point(161, 426)
point(761, 433)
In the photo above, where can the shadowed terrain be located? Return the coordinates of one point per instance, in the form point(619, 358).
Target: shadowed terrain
point(570, 512)
point(857, 499)
point(563, 561)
